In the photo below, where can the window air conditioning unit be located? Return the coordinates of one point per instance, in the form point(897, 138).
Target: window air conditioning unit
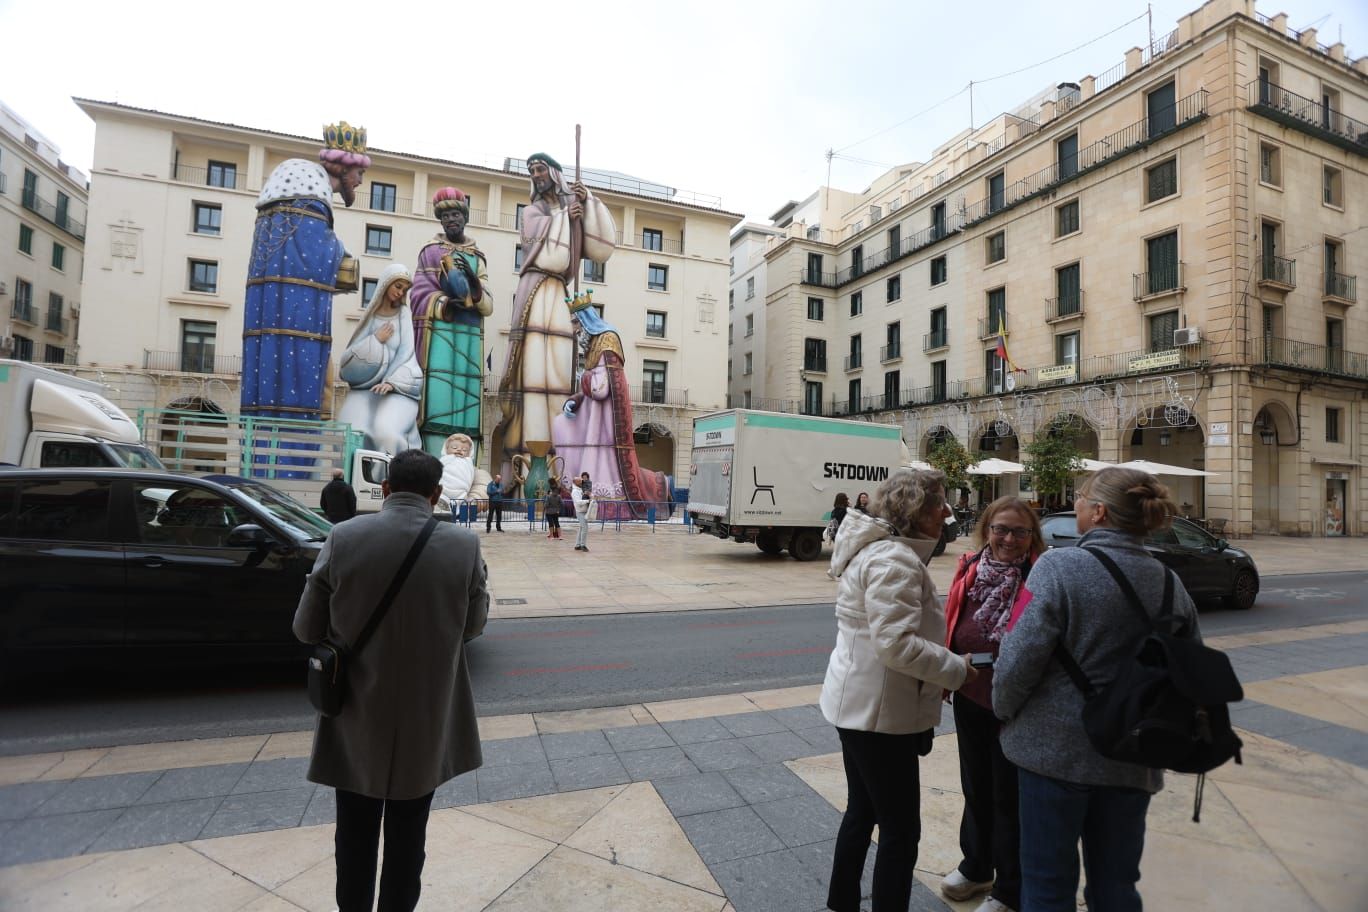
point(1190, 335)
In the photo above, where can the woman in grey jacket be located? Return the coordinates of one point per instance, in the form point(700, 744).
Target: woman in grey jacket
point(1068, 791)
point(884, 681)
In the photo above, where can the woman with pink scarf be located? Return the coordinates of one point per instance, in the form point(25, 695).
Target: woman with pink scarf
point(987, 594)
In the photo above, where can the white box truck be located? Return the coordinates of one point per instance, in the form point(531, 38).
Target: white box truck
point(770, 478)
point(49, 419)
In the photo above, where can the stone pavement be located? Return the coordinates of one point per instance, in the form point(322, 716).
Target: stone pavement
point(639, 569)
point(726, 804)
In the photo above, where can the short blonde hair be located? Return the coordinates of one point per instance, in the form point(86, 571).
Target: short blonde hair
point(906, 496)
point(1136, 501)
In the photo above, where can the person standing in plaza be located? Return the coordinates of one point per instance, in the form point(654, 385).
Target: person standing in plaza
point(552, 510)
point(884, 679)
point(495, 492)
point(1068, 791)
point(337, 499)
point(989, 585)
point(582, 494)
point(408, 723)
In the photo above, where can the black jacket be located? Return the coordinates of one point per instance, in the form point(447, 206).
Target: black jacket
point(338, 501)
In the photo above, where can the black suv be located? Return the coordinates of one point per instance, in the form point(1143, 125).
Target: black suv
point(111, 561)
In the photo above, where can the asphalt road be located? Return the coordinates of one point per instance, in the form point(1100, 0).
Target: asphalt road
point(539, 665)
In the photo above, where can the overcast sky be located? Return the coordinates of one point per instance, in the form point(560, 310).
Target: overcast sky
point(735, 99)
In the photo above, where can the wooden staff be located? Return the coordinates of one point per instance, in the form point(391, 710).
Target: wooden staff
point(578, 267)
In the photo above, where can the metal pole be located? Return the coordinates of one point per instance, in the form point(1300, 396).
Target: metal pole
point(577, 266)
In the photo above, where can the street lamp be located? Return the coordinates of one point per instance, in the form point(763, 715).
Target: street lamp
point(1268, 436)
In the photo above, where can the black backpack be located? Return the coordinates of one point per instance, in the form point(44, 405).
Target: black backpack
point(1166, 708)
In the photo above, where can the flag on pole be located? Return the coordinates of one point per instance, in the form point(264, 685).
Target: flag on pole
point(489, 361)
point(1001, 352)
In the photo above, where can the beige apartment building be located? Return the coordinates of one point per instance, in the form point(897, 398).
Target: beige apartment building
point(1168, 253)
point(42, 245)
point(172, 208)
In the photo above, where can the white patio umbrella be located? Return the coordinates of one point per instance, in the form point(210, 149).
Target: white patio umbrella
point(1159, 468)
point(995, 466)
point(917, 464)
point(1095, 465)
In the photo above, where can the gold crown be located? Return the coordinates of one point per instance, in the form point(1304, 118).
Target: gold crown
point(581, 301)
point(344, 136)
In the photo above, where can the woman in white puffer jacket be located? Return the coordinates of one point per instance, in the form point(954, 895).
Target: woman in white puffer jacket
point(884, 681)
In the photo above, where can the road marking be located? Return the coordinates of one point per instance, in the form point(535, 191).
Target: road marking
point(1308, 593)
point(617, 666)
point(722, 625)
point(810, 650)
point(536, 634)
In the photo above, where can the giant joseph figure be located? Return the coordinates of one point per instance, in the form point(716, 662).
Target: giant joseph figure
point(562, 225)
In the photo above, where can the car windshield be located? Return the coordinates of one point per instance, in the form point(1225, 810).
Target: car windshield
point(132, 456)
point(290, 513)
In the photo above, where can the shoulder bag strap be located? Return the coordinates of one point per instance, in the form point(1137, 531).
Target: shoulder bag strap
point(1128, 590)
point(395, 584)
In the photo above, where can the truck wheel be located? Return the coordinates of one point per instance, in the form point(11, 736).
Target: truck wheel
point(768, 542)
point(806, 545)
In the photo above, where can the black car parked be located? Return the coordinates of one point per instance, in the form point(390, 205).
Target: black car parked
point(104, 561)
point(1209, 567)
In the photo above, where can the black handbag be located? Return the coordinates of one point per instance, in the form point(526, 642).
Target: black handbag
point(328, 664)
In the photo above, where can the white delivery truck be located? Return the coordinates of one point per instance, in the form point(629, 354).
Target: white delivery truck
point(770, 478)
point(49, 419)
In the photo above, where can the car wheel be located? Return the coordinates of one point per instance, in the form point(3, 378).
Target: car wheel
point(806, 545)
point(768, 542)
point(1243, 592)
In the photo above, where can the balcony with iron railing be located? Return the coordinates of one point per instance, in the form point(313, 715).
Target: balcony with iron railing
point(55, 322)
point(1307, 116)
point(816, 364)
point(890, 352)
point(1277, 272)
point(1292, 354)
point(1165, 280)
point(24, 312)
point(1341, 287)
point(401, 206)
point(904, 248)
point(1065, 307)
point(223, 180)
point(854, 361)
point(660, 394)
point(1123, 142)
point(192, 362)
point(992, 326)
point(52, 213)
point(937, 338)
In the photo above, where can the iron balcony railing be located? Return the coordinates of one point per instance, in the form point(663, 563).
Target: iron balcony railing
point(819, 277)
point(988, 327)
point(1339, 285)
point(24, 312)
point(854, 361)
point(905, 247)
point(936, 338)
point(1064, 307)
point(1164, 280)
point(1307, 356)
point(51, 212)
point(1278, 270)
point(1129, 139)
point(226, 180)
point(55, 322)
point(399, 205)
point(1307, 115)
point(815, 363)
point(609, 180)
point(192, 362)
point(891, 352)
point(660, 394)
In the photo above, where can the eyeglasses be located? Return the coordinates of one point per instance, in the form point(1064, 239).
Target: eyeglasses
point(1004, 531)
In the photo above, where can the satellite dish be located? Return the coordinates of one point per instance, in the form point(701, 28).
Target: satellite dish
point(1011, 382)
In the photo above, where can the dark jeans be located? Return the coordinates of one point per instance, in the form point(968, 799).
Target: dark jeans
point(883, 782)
point(989, 828)
point(1110, 821)
point(495, 515)
point(553, 521)
point(358, 839)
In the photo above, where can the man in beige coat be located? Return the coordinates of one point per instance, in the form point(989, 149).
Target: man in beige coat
point(408, 724)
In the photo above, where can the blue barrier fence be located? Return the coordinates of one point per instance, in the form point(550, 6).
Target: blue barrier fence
point(611, 513)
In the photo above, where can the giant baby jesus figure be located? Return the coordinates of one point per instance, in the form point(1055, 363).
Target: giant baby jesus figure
point(561, 225)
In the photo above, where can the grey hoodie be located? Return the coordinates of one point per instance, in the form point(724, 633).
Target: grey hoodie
point(888, 667)
point(1074, 600)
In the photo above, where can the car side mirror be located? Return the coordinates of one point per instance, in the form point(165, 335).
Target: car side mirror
point(249, 535)
point(1222, 544)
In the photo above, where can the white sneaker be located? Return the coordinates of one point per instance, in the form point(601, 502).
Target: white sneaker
point(994, 905)
point(959, 888)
